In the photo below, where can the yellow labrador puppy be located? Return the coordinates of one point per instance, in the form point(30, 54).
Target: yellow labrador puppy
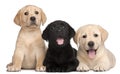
point(92, 53)
point(30, 47)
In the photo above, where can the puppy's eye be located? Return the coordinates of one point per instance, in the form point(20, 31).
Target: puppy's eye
point(36, 12)
point(26, 13)
point(95, 35)
point(84, 36)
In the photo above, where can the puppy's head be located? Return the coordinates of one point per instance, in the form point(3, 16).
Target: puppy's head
point(58, 33)
point(89, 38)
point(30, 16)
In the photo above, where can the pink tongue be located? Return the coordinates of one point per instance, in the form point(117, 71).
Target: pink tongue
point(60, 41)
point(91, 54)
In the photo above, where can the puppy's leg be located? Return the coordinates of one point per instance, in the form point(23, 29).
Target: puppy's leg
point(39, 61)
point(102, 65)
point(17, 61)
point(82, 67)
point(50, 64)
point(72, 65)
point(52, 67)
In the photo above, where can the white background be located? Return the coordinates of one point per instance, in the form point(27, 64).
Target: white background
point(76, 12)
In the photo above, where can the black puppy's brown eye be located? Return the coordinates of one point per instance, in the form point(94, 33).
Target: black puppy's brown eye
point(95, 35)
point(36, 12)
point(26, 13)
point(84, 36)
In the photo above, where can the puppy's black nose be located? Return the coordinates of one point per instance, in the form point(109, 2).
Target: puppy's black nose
point(32, 18)
point(90, 43)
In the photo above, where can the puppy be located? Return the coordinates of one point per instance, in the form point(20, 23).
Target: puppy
point(30, 47)
point(92, 53)
point(60, 56)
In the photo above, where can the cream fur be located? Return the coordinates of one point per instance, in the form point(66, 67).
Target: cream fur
point(30, 47)
point(104, 59)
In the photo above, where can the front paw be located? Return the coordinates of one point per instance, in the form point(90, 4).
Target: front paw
point(83, 67)
point(100, 68)
point(50, 69)
point(13, 68)
point(42, 68)
point(56, 69)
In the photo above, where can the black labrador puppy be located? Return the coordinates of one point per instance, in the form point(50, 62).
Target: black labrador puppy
point(60, 56)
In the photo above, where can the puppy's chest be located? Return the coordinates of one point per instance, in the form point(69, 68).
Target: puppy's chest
point(31, 38)
point(61, 57)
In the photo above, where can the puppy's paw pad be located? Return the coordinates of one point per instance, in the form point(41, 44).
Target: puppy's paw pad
point(13, 68)
point(82, 68)
point(42, 68)
point(100, 68)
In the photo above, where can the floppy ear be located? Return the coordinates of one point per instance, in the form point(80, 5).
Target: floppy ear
point(104, 33)
point(76, 38)
point(17, 18)
point(71, 32)
point(43, 17)
point(45, 34)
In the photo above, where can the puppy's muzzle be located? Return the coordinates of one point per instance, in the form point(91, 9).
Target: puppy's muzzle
point(91, 51)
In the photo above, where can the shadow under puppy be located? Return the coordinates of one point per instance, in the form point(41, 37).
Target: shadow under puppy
point(60, 56)
point(30, 47)
point(92, 53)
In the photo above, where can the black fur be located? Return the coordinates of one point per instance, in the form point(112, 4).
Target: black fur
point(59, 58)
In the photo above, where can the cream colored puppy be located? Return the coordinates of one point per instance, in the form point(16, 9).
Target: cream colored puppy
point(92, 53)
point(30, 47)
